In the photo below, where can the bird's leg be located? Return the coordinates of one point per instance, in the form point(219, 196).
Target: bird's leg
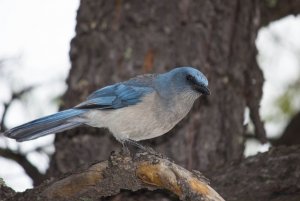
point(136, 144)
point(125, 148)
point(144, 148)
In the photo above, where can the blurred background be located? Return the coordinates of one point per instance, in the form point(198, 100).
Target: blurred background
point(34, 56)
point(34, 64)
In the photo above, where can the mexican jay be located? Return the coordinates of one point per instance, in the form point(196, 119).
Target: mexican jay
point(143, 107)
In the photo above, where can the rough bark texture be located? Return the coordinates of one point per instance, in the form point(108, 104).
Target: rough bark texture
point(121, 171)
point(272, 176)
point(116, 40)
point(277, 179)
point(142, 171)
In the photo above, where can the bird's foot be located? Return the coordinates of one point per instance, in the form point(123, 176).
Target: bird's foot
point(146, 149)
point(125, 150)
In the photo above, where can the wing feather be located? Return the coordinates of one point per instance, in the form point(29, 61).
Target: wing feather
point(115, 96)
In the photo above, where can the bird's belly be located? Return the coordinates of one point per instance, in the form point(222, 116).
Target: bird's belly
point(131, 123)
point(145, 120)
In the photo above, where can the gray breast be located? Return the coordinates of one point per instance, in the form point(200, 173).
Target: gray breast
point(163, 116)
point(150, 118)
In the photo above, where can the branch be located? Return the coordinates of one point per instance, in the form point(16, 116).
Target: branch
point(273, 175)
point(255, 80)
point(15, 95)
point(142, 171)
point(290, 134)
point(272, 10)
point(29, 168)
point(21, 159)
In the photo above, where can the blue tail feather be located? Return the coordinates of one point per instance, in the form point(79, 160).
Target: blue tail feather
point(54, 123)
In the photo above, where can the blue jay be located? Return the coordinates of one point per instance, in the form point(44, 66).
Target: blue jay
point(141, 108)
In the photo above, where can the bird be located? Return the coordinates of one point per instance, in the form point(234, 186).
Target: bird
point(141, 108)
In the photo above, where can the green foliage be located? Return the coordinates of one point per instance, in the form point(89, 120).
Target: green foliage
point(284, 103)
point(287, 104)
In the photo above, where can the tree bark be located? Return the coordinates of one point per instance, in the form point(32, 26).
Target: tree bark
point(121, 171)
point(116, 40)
point(272, 176)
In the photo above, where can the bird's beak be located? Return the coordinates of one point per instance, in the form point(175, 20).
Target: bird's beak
point(202, 89)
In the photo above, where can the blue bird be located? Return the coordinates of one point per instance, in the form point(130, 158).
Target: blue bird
point(141, 108)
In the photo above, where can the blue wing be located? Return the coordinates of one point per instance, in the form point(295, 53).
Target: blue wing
point(115, 96)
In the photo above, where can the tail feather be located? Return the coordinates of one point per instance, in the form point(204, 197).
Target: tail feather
point(54, 123)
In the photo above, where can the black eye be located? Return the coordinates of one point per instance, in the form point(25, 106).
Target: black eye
point(190, 78)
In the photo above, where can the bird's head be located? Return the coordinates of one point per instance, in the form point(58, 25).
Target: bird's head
point(189, 79)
